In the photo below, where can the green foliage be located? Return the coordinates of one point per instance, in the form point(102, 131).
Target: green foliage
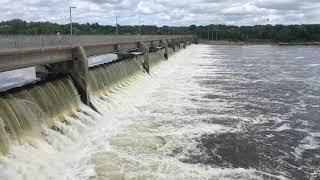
point(266, 33)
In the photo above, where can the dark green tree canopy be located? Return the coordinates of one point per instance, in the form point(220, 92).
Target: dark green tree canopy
point(265, 33)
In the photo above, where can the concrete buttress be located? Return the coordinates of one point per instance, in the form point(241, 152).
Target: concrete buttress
point(144, 48)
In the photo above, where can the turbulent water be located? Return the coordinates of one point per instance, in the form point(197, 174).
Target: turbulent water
point(210, 112)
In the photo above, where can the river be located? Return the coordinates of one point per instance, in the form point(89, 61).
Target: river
point(210, 112)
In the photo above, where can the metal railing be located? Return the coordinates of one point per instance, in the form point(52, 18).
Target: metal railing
point(29, 54)
point(38, 41)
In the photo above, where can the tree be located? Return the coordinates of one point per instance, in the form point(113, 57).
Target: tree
point(275, 33)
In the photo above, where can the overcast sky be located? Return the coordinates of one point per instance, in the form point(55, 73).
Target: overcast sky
point(170, 12)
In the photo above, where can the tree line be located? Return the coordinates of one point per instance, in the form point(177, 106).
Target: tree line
point(265, 33)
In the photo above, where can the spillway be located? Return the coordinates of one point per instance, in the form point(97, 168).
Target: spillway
point(24, 111)
point(48, 104)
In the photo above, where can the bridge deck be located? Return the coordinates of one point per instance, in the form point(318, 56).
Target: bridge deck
point(28, 56)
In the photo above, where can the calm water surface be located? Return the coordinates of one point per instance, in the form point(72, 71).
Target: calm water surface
point(273, 94)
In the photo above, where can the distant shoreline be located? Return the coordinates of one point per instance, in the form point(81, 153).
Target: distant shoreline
point(226, 42)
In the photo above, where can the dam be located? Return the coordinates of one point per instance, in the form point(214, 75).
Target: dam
point(199, 112)
point(64, 100)
point(66, 80)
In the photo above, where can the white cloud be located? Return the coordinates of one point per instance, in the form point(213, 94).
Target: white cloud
point(177, 12)
point(150, 7)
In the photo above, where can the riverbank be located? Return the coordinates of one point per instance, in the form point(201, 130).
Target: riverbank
point(226, 42)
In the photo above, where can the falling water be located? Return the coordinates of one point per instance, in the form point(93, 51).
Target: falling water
point(156, 58)
point(106, 76)
point(25, 111)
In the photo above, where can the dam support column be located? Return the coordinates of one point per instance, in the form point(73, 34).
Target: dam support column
point(144, 48)
point(172, 45)
point(80, 72)
point(177, 45)
point(164, 44)
point(184, 44)
point(78, 69)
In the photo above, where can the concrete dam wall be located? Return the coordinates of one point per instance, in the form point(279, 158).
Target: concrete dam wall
point(44, 108)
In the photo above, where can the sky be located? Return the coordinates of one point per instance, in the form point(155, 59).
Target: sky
point(165, 12)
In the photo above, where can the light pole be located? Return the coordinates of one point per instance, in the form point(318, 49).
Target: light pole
point(140, 26)
point(212, 30)
point(217, 31)
point(153, 29)
point(117, 30)
point(162, 30)
point(209, 31)
point(71, 7)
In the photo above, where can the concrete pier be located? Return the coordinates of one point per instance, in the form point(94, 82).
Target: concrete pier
point(79, 73)
point(146, 63)
point(164, 44)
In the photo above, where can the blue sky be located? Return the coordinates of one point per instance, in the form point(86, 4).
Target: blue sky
point(169, 12)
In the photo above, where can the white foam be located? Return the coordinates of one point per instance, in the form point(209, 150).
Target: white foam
point(283, 127)
point(309, 142)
